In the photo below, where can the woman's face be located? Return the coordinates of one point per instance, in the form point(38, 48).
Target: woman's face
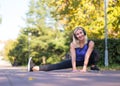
point(80, 34)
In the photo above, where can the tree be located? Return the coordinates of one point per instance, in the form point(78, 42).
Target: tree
point(89, 14)
point(114, 19)
point(47, 42)
point(80, 13)
point(9, 46)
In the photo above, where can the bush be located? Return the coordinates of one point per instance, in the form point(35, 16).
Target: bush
point(113, 51)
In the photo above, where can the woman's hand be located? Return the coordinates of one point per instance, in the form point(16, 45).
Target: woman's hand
point(84, 69)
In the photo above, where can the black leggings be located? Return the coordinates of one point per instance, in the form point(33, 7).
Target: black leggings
point(68, 64)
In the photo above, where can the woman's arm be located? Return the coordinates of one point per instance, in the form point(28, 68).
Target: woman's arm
point(87, 55)
point(72, 50)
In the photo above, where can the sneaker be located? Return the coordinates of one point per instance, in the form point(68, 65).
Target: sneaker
point(30, 64)
point(95, 68)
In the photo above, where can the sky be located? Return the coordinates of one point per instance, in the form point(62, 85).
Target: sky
point(13, 13)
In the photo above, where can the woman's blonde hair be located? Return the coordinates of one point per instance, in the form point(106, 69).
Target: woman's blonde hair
point(75, 40)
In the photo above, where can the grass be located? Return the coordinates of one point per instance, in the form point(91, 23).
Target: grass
point(110, 67)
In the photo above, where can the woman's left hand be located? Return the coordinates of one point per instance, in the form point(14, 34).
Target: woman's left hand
point(84, 69)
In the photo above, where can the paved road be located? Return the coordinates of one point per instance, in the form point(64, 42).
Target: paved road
point(18, 76)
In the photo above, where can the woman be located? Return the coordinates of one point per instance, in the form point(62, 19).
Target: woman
point(82, 54)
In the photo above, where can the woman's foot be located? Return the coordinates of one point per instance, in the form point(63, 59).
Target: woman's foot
point(94, 68)
point(36, 68)
point(30, 65)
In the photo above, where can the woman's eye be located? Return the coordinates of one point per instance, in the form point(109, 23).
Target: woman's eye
point(81, 33)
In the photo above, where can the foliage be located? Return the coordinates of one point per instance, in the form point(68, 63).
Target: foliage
point(113, 51)
point(9, 45)
point(114, 19)
point(90, 15)
point(19, 51)
point(43, 42)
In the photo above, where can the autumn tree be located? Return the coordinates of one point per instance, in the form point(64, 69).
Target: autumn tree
point(88, 14)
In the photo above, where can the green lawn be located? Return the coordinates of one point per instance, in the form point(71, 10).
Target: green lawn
point(111, 67)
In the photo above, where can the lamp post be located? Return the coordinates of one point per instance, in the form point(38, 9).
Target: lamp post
point(29, 38)
point(106, 32)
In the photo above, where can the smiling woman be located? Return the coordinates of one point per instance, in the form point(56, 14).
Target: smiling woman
point(82, 54)
point(12, 12)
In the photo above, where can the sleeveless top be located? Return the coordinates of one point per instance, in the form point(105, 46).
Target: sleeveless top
point(80, 52)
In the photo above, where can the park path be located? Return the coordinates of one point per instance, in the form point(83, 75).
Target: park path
point(18, 76)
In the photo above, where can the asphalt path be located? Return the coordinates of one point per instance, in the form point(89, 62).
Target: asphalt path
point(18, 76)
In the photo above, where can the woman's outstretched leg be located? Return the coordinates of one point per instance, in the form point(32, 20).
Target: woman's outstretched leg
point(62, 65)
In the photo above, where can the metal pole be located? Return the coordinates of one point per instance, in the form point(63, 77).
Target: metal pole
point(106, 32)
point(29, 38)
